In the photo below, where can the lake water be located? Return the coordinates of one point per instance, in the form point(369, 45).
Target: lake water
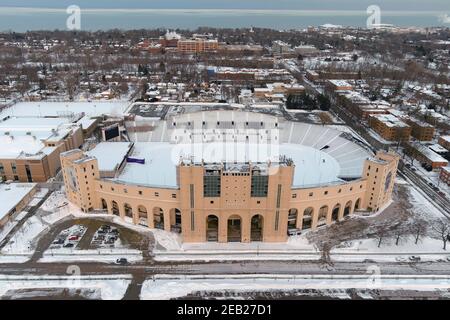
point(23, 19)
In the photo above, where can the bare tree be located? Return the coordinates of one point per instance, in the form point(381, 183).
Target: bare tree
point(381, 233)
point(419, 228)
point(441, 229)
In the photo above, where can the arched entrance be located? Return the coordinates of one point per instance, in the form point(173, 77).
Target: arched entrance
point(358, 204)
point(256, 229)
point(128, 210)
point(323, 212)
point(307, 218)
point(292, 219)
point(143, 218)
point(175, 220)
point(234, 229)
point(348, 208)
point(115, 209)
point(212, 228)
point(104, 204)
point(158, 218)
point(335, 213)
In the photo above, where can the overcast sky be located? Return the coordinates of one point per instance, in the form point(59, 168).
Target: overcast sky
point(407, 5)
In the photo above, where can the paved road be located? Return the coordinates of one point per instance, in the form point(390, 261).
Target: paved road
point(150, 268)
point(441, 203)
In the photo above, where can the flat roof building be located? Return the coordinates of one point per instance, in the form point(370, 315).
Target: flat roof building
point(13, 198)
point(390, 127)
point(31, 147)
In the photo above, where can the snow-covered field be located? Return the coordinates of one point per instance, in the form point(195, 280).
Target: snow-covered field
point(173, 286)
point(428, 249)
point(111, 287)
point(97, 255)
point(22, 241)
point(168, 247)
point(22, 245)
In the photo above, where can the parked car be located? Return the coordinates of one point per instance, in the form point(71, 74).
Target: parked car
point(69, 245)
point(414, 258)
point(74, 238)
point(58, 241)
point(122, 261)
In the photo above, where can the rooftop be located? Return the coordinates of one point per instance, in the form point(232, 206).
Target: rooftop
point(26, 136)
point(390, 120)
point(12, 194)
point(110, 154)
point(67, 109)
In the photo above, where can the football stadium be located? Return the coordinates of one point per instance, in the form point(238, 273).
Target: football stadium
point(229, 175)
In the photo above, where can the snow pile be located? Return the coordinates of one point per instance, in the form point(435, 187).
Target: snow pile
point(168, 240)
point(296, 248)
point(428, 249)
point(95, 255)
point(22, 241)
point(112, 287)
point(173, 286)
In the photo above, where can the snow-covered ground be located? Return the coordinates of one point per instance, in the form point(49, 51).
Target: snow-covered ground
point(22, 245)
point(111, 287)
point(168, 247)
point(428, 249)
point(22, 241)
point(95, 255)
point(173, 286)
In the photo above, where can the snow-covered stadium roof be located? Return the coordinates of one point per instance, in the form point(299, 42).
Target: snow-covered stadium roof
point(321, 154)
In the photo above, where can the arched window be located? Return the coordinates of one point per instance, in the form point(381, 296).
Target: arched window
point(307, 218)
point(143, 218)
point(158, 218)
point(175, 220)
point(104, 204)
point(348, 208)
point(212, 228)
point(335, 213)
point(128, 210)
point(292, 219)
point(256, 229)
point(115, 208)
point(323, 212)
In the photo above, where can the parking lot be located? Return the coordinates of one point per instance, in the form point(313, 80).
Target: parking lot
point(106, 237)
point(93, 234)
point(69, 238)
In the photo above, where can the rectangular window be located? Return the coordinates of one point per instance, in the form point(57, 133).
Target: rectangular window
point(277, 218)
point(191, 189)
point(211, 185)
point(260, 185)
point(279, 196)
point(29, 176)
point(192, 221)
point(14, 168)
